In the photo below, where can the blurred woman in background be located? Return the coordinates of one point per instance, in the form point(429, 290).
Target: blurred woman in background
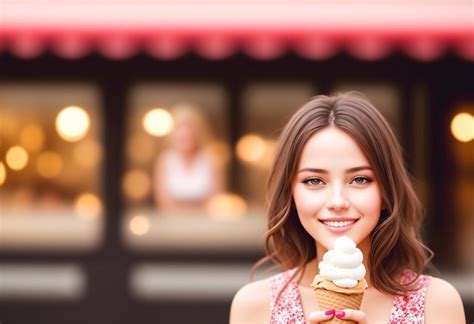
point(187, 173)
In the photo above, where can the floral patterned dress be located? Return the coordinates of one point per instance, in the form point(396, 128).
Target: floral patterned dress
point(288, 308)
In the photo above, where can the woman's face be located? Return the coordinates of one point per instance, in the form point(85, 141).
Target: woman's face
point(335, 190)
point(185, 137)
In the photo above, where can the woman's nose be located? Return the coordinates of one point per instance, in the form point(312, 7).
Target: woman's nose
point(337, 200)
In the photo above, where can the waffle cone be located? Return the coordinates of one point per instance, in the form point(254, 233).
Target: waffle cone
point(331, 299)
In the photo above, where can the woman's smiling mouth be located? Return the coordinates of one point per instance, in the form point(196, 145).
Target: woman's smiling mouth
point(338, 225)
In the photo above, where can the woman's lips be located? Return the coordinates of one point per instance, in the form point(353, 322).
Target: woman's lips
point(340, 225)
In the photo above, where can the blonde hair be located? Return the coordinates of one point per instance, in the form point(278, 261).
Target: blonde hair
point(185, 112)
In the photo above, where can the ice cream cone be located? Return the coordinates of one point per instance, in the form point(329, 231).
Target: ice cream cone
point(330, 299)
point(328, 296)
point(341, 282)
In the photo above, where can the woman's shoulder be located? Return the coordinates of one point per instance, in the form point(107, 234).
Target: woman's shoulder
point(440, 290)
point(443, 303)
point(251, 304)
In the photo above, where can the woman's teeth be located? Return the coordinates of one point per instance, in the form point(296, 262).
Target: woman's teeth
point(339, 223)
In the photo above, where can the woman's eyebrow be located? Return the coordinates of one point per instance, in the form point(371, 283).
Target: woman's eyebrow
point(354, 169)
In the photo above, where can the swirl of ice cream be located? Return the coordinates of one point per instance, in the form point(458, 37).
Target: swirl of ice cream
point(343, 264)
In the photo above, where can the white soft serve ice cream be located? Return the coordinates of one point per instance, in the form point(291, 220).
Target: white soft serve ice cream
point(343, 264)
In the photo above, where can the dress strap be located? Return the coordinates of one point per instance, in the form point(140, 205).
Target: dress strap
point(287, 308)
point(411, 308)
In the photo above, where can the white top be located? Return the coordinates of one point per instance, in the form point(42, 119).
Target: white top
point(188, 182)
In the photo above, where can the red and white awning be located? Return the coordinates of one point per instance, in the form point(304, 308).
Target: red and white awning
point(264, 29)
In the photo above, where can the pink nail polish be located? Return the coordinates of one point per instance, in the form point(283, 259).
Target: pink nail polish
point(340, 314)
point(330, 312)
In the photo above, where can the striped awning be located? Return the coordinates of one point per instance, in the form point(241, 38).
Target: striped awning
point(265, 30)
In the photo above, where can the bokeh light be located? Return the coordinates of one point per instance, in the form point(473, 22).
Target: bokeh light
point(32, 137)
point(158, 122)
point(3, 173)
point(49, 164)
point(12, 128)
point(72, 123)
point(462, 127)
point(88, 153)
point(88, 205)
point(267, 159)
point(226, 206)
point(222, 150)
point(140, 148)
point(16, 158)
point(136, 185)
point(251, 148)
point(139, 225)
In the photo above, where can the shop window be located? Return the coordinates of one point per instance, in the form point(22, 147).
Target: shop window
point(461, 178)
point(175, 183)
point(51, 157)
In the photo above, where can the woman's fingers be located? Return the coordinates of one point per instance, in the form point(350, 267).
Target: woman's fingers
point(321, 316)
point(346, 314)
point(352, 314)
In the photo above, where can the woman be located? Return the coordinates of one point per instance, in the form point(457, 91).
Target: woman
point(338, 171)
point(187, 174)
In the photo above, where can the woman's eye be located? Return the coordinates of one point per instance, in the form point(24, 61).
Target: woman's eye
point(313, 182)
point(361, 180)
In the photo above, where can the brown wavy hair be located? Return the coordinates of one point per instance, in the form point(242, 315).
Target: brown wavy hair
point(396, 240)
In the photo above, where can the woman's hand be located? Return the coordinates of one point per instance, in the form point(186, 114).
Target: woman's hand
point(321, 316)
point(345, 314)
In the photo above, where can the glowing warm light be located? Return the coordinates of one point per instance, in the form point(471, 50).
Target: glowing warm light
point(140, 148)
point(72, 123)
point(462, 127)
point(267, 158)
point(251, 148)
point(227, 206)
point(10, 123)
point(222, 151)
point(88, 205)
point(32, 137)
point(158, 122)
point(139, 225)
point(16, 158)
point(3, 173)
point(88, 153)
point(49, 164)
point(136, 185)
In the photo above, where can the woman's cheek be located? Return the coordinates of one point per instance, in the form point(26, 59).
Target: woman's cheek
point(367, 201)
point(308, 202)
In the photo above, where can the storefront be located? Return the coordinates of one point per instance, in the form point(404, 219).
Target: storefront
point(81, 226)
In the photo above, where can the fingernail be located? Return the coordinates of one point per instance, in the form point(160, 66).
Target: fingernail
point(330, 311)
point(340, 314)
